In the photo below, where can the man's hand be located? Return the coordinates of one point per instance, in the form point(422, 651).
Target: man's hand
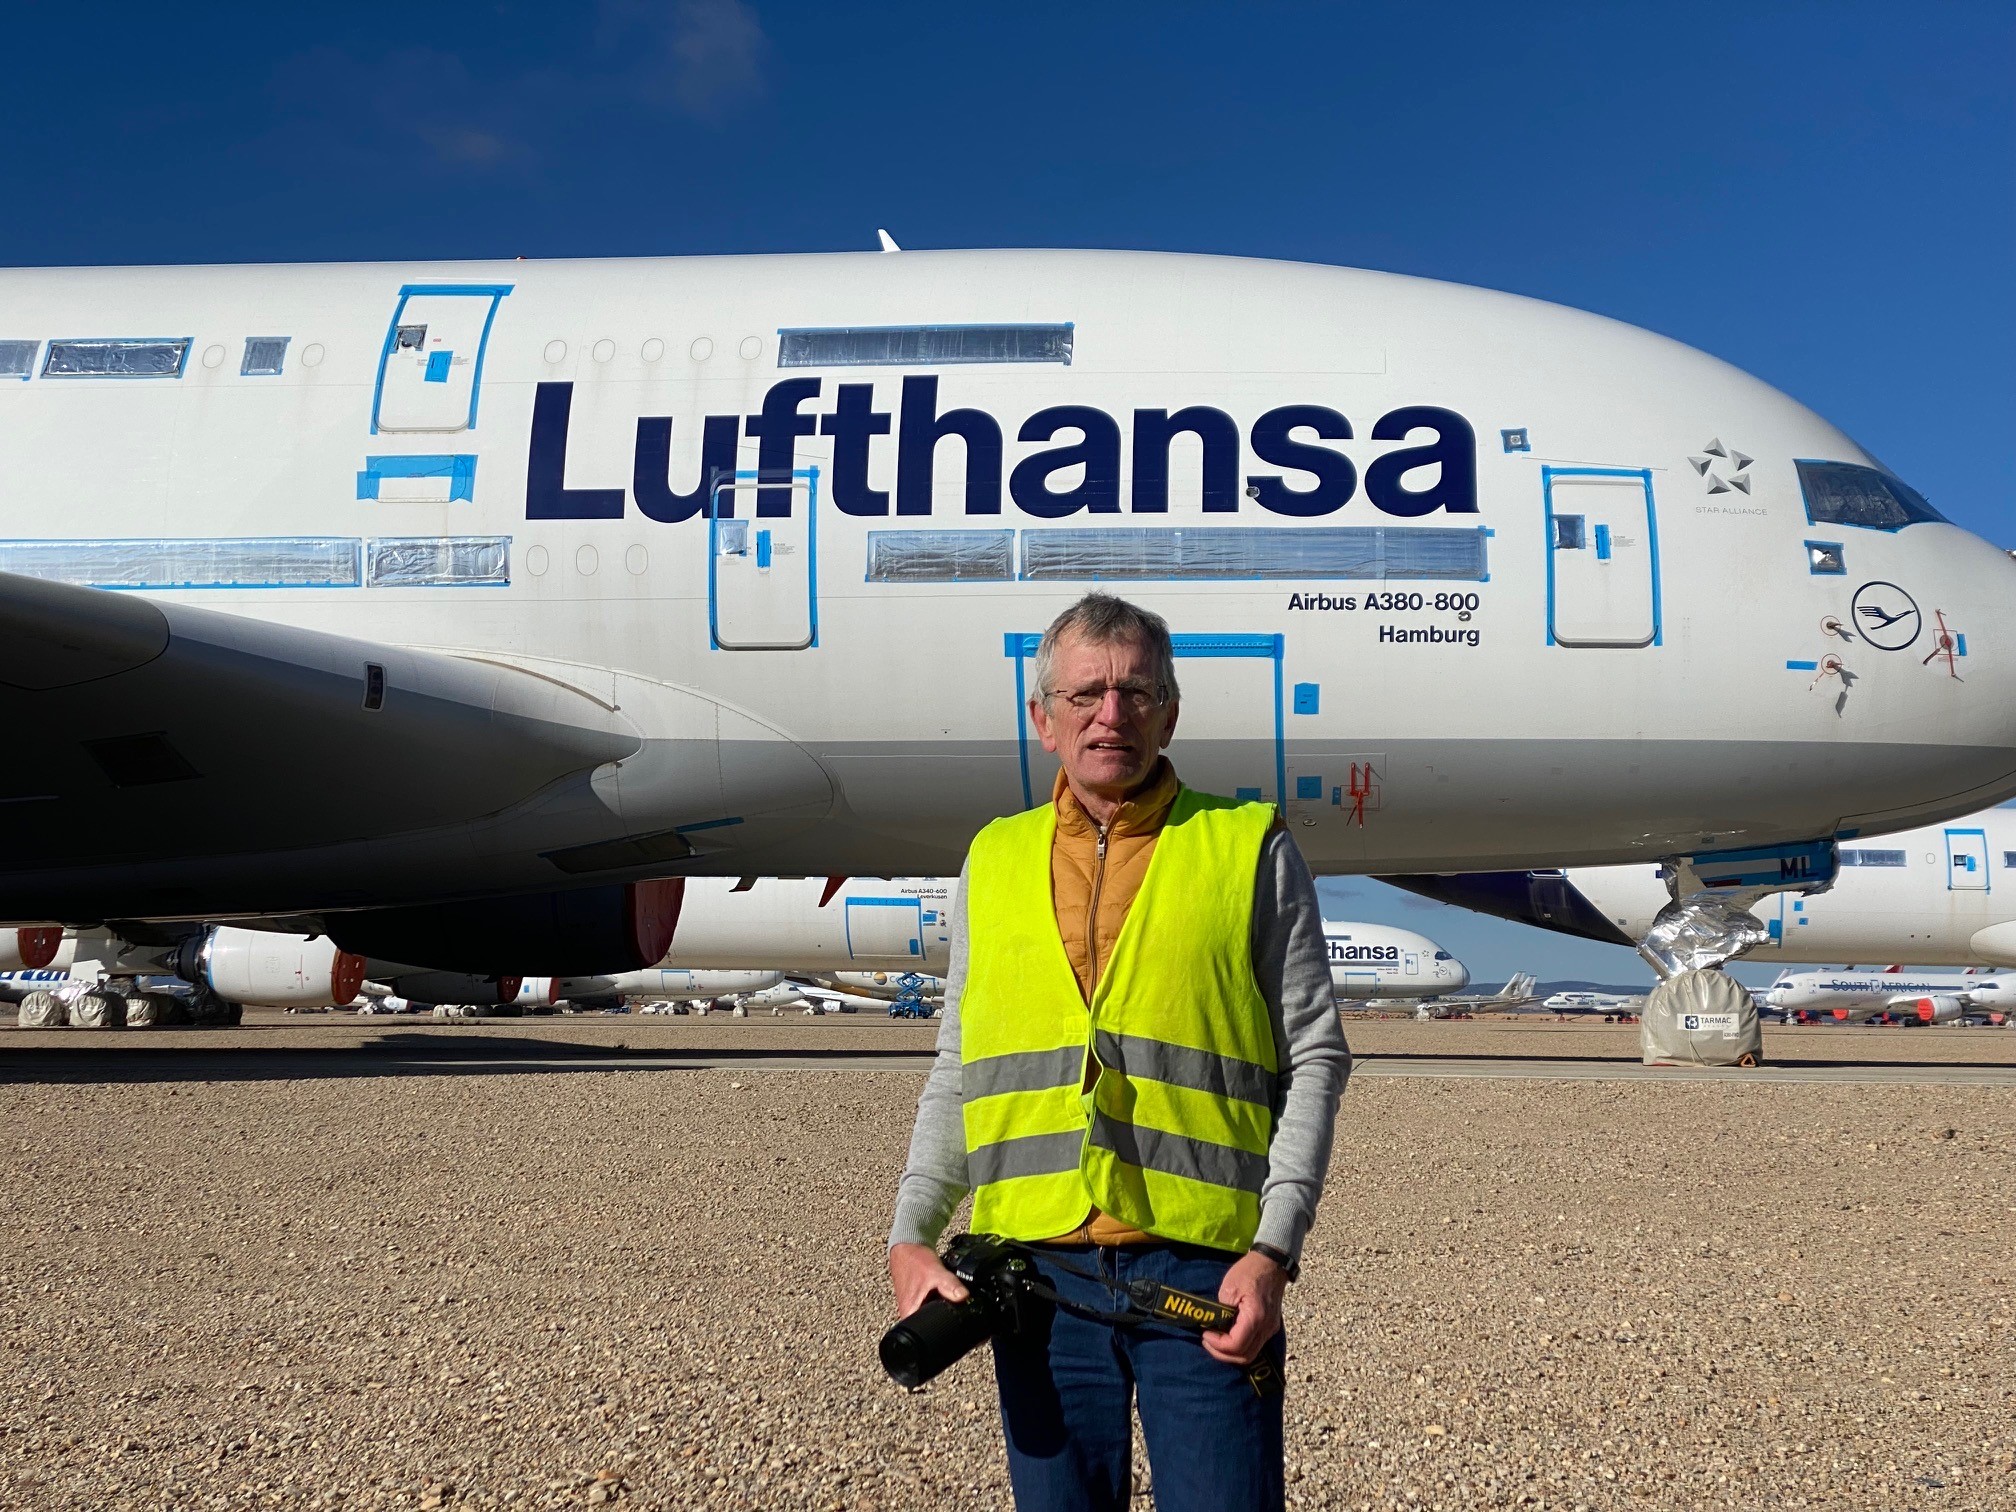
point(917, 1274)
point(1254, 1286)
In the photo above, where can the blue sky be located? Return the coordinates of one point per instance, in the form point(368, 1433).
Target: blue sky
point(1821, 193)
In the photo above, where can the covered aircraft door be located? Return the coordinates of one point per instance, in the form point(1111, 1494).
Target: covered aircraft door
point(430, 374)
point(1602, 557)
point(1967, 860)
point(762, 585)
point(884, 929)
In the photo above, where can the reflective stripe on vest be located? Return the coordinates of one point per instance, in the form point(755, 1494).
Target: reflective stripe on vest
point(1172, 1137)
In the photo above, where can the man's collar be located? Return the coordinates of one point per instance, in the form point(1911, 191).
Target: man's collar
point(1141, 814)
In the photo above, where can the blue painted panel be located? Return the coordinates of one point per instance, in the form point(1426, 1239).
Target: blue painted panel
point(1247, 795)
point(438, 364)
point(762, 548)
point(1602, 543)
point(1308, 789)
point(1308, 698)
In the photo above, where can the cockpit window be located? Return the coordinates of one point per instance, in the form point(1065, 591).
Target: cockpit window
point(1840, 493)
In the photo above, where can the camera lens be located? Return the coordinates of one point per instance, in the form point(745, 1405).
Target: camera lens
point(933, 1338)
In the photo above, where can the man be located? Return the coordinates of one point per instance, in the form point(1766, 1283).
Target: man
point(1137, 1072)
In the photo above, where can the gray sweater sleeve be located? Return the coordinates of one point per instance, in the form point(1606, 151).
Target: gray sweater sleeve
point(1292, 966)
point(934, 1177)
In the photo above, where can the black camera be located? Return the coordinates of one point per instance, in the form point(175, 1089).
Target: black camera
point(940, 1333)
point(1000, 1279)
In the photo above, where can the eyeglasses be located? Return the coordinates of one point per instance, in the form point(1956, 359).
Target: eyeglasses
point(1135, 698)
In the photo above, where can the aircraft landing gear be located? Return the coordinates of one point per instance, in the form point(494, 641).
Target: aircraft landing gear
point(1699, 1014)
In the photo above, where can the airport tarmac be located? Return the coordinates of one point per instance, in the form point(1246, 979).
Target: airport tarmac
point(310, 1283)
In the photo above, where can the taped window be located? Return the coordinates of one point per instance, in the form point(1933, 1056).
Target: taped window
point(256, 562)
point(1374, 552)
point(265, 356)
point(922, 346)
point(439, 562)
point(940, 556)
point(17, 358)
point(116, 358)
point(1840, 493)
point(1872, 858)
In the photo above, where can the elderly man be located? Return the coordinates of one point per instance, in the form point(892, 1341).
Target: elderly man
point(1137, 1073)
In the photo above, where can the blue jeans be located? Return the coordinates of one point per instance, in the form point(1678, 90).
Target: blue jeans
point(1068, 1383)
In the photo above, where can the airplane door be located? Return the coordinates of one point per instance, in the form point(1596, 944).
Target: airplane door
point(430, 374)
point(880, 929)
point(1602, 557)
point(762, 586)
point(1967, 860)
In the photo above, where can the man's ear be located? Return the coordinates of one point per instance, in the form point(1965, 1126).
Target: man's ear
point(1169, 729)
point(1044, 731)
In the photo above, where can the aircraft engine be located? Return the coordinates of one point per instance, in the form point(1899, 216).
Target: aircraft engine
point(1941, 1009)
point(587, 931)
point(270, 970)
point(449, 987)
point(29, 949)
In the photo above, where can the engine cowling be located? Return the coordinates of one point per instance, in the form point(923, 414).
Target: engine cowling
point(587, 931)
point(30, 949)
point(449, 987)
point(1938, 1009)
point(270, 970)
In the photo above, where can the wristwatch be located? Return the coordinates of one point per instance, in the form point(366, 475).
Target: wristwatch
point(1279, 1257)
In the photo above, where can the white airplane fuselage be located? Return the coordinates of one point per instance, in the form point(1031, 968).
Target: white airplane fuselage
point(1461, 580)
point(1381, 961)
point(805, 924)
point(1938, 896)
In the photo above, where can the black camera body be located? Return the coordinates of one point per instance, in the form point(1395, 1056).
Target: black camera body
point(940, 1333)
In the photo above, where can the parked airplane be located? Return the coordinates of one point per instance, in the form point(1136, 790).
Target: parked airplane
point(1944, 895)
point(1380, 961)
point(1516, 993)
point(1593, 1002)
point(333, 591)
point(815, 924)
point(1928, 997)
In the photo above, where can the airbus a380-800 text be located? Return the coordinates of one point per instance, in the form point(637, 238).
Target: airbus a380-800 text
point(333, 592)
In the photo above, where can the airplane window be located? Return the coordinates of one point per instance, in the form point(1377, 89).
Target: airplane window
point(940, 556)
point(269, 562)
point(17, 358)
point(116, 359)
point(438, 562)
point(264, 356)
point(923, 346)
point(1872, 858)
point(1840, 493)
point(410, 338)
point(2009, 859)
point(1373, 552)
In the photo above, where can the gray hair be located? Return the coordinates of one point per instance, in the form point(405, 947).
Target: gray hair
point(1102, 619)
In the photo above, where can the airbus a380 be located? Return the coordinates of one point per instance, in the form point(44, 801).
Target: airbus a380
point(334, 591)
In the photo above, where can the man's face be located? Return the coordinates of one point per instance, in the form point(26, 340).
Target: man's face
point(1109, 745)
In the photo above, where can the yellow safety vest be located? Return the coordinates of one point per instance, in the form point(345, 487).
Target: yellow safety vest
point(1172, 1137)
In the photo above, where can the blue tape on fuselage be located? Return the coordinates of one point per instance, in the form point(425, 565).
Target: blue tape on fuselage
point(459, 469)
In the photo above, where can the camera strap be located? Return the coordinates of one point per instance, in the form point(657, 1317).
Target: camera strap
point(1146, 1301)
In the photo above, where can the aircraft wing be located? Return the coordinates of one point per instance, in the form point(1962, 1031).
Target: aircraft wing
point(152, 735)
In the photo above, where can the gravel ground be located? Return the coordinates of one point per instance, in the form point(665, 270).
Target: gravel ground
point(663, 1288)
point(1524, 1036)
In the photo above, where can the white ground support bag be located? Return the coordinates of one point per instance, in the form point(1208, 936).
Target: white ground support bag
point(1701, 1018)
point(43, 1010)
point(146, 1010)
point(98, 1009)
